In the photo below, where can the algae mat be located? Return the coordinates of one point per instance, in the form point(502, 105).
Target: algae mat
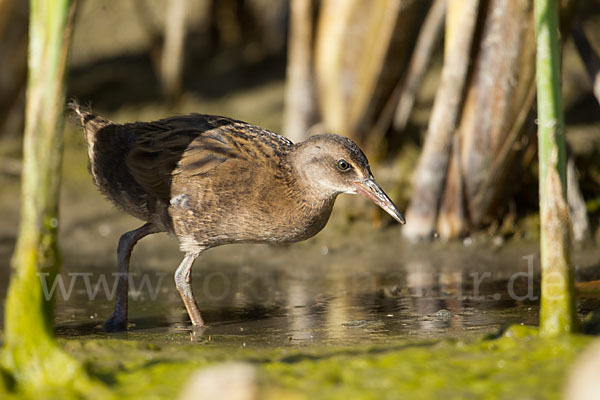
point(516, 365)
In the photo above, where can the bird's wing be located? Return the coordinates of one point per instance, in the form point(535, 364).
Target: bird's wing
point(208, 151)
point(195, 146)
point(153, 157)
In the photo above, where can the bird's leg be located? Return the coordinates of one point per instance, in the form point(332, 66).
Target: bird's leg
point(118, 320)
point(183, 278)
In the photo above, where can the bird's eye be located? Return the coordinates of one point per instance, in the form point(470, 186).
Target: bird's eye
point(343, 165)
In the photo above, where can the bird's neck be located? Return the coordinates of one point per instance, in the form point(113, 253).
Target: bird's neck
point(307, 178)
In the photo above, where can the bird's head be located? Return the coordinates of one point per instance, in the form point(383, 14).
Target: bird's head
point(333, 164)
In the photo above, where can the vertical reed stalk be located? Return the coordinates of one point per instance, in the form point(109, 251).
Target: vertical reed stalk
point(30, 350)
point(557, 313)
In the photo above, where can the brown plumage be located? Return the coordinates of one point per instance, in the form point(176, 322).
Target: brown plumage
point(211, 180)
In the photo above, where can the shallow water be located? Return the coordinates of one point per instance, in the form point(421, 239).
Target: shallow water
point(317, 293)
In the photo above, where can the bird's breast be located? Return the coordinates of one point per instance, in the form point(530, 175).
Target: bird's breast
point(213, 219)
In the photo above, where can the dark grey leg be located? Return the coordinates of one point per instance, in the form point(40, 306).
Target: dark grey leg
point(183, 278)
point(118, 320)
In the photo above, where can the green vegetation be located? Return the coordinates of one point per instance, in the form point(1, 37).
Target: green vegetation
point(557, 314)
point(31, 357)
point(425, 369)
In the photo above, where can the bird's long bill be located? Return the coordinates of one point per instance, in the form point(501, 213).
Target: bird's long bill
point(373, 192)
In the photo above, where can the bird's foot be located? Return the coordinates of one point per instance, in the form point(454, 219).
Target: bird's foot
point(198, 334)
point(115, 323)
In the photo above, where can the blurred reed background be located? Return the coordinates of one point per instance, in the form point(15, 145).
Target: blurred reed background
point(441, 93)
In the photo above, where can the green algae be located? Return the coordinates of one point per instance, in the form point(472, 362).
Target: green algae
point(516, 364)
point(512, 366)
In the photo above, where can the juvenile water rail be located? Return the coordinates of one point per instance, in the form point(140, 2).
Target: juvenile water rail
point(211, 180)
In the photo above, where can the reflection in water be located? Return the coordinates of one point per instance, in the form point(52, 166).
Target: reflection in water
point(342, 309)
point(437, 295)
point(423, 285)
point(336, 303)
point(299, 305)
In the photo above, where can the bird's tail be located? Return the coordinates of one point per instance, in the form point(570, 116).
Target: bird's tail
point(90, 122)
